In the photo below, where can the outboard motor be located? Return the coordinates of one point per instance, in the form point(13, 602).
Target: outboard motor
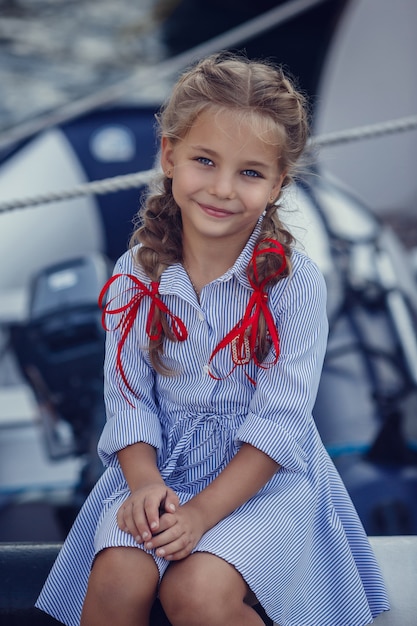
point(60, 351)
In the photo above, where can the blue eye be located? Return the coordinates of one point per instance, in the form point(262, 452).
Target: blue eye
point(252, 174)
point(204, 160)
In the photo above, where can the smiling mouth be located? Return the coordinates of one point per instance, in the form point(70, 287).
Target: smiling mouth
point(215, 212)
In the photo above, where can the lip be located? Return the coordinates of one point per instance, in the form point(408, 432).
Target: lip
point(213, 211)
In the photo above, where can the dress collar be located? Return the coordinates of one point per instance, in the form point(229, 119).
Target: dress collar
point(175, 280)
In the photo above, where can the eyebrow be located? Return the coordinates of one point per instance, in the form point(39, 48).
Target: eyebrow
point(213, 153)
point(204, 149)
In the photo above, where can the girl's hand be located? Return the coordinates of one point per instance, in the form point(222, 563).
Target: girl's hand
point(140, 514)
point(179, 533)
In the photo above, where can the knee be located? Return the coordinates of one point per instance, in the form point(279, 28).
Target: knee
point(119, 573)
point(181, 596)
point(187, 596)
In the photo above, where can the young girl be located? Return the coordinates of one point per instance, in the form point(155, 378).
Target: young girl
point(218, 492)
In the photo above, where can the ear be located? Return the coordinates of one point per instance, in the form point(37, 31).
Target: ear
point(167, 153)
point(276, 189)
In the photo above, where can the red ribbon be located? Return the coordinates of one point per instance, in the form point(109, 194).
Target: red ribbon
point(128, 314)
point(243, 336)
point(246, 330)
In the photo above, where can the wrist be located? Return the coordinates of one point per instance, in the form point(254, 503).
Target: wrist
point(138, 464)
point(194, 506)
point(143, 483)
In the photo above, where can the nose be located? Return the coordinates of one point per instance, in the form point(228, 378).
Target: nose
point(222, 185)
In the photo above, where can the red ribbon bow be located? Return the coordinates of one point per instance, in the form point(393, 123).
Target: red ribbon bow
point(243, 336)
point(128, 314)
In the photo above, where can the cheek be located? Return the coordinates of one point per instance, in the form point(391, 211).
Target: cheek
point(178, 186)
point(260, 199)
point(182, 189)
point(182, 179)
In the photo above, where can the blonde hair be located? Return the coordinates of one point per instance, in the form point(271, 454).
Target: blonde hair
point(255, 90)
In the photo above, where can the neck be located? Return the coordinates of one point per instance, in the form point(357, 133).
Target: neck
point(205, 264)
point(205, 259)
point(211, 258)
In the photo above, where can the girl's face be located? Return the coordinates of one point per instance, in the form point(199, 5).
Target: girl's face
point(224, 175)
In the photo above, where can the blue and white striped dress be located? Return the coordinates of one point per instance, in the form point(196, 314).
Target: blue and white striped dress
point(298, 543)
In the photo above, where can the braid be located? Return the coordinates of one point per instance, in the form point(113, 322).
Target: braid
point(267, 265)
point(160, 234)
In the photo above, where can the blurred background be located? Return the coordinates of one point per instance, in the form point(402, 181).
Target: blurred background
point(80, 83)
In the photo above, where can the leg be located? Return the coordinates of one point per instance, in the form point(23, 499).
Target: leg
point(121, 589)
point(204, 590)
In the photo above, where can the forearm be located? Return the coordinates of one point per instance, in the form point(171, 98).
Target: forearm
point(138, 463)
point(248, 471)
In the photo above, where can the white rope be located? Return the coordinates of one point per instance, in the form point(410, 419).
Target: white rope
point(365, 132)
point(130, 181)
point(96, 187)
point(151, 75)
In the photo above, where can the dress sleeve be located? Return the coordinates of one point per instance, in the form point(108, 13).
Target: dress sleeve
point(280, 412)
point(131, 415)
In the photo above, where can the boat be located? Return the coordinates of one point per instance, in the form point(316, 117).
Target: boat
point(57, 254)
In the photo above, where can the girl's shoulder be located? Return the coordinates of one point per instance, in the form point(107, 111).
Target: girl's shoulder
point(304, 282)
point(301, 263)
point(127, 263)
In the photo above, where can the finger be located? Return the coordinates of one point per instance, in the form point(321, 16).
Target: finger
point(125, 519)
point(141, 522)
point(176, 550)
point(171, 502)
point(121, 519)
point(166, 520)
point(152, 506)
point(169, 542)
point(133, 521)
point(163, 539)
point(178, 556)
